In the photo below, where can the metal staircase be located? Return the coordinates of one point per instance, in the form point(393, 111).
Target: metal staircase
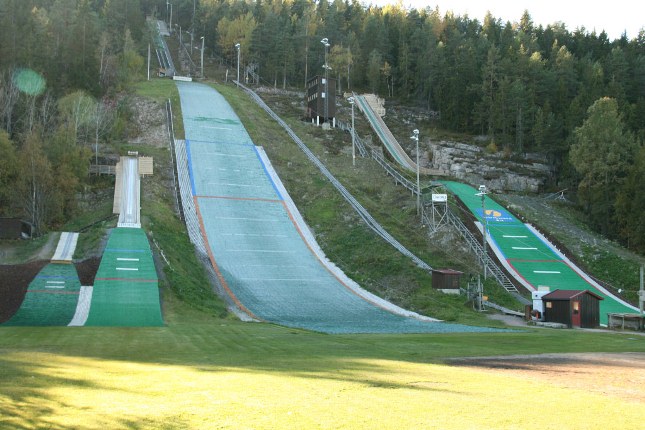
point(476, 246)
point(252, 72)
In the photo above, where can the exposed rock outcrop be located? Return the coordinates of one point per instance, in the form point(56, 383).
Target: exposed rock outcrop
point(472, 164)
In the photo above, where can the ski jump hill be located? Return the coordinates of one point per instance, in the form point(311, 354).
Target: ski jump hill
point(528, 256)
point(125, 291)
point(387, 138)
point(523, 251)
point(264, 255)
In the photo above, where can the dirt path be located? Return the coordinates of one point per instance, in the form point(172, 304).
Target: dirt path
point(621, 375)
point(47, 251)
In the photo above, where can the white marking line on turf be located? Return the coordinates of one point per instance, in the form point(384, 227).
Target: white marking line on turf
point(235, 185)
point(54, 286)
point(247, 219)
point(127, 259)
point(546, 271)
point(55, 282)
point(254, 235)
point(521, 247)
point(225, 154)
point(260, 250)
point(309, 280)
point(514, 237)
point(127, 268)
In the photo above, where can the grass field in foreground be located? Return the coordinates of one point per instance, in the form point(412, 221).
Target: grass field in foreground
point(202, 372)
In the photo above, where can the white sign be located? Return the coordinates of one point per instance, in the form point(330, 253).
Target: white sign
point(440, 198)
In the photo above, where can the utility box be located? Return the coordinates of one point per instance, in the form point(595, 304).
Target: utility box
point(317, 97)
point(446, 280)
point(538, 304)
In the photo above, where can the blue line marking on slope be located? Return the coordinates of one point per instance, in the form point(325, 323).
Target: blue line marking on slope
point(56, 277)
point(124, 250)
point(190, 168)
point(266, 172)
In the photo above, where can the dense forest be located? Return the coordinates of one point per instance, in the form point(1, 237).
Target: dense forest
point(575, 96)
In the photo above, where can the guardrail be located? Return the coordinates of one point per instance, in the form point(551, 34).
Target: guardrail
point(173, 156)
point(102, 169)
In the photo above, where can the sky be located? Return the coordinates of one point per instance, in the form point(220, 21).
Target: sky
point(613, 16)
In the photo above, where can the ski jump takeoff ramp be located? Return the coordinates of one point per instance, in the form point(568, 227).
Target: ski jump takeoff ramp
point(126, 291)
point(264, 255)
point(529, 256)
point(389, 141)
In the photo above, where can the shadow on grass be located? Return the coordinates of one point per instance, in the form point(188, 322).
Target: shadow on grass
point(35, 361)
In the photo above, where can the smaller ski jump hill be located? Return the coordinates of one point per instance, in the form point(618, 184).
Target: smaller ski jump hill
point(126, 289)
point(265, 256)
point(529, 256)
point(51, 298)
point(389, 141)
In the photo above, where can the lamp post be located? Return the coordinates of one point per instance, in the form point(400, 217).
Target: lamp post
point(238, 46)
point(351, 102)
point(482, 193)
point(170, 18)
point(325, 42)
point(415, 136)
point(192, 29)
point(202, 65)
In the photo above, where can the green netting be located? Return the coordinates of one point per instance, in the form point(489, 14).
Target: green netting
point(227, 170)
point(255, 244)
point(50, 299)
point(126, 290)
point(533, 260)
point(208, 117)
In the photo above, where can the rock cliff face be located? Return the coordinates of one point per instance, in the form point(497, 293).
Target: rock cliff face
point(472, 164)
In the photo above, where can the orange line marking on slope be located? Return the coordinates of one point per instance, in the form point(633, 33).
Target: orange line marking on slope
point(216, 267)
point(240, 198)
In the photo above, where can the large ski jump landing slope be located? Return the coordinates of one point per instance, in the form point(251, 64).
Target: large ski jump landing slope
point(529, 256)
point(263, 254)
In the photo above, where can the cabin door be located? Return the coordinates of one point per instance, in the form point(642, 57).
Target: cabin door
point(575, 314)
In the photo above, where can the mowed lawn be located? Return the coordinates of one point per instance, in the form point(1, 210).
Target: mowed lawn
point(209, 373)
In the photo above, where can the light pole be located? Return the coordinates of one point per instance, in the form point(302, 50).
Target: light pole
point(415, 136)
point(192, 29)
point(202, 57)
point(325, 42)
point(351, 102)
point(238, 46)
point(482, 193)
point(170, 18)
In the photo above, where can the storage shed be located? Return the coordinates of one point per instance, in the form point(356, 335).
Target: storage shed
point(446, 280)
point(14, 228)
point(575, 308)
